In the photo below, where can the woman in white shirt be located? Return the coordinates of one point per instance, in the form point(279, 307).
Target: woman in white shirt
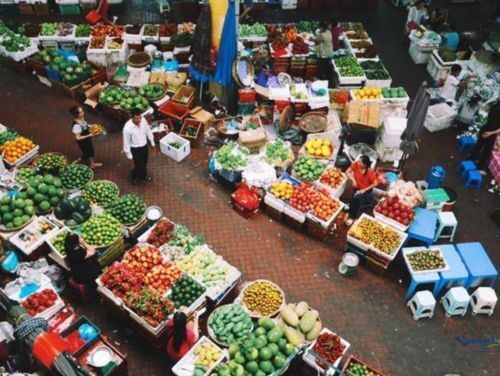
point(83, 136)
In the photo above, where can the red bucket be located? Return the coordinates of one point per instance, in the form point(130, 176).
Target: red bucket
point(93, 17)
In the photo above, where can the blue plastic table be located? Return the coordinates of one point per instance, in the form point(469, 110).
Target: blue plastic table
point(456, 275)
point(423, 227)
point(420, 278)
point(478, 264)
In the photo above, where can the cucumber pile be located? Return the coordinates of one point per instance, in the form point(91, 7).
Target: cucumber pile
point(230, 323)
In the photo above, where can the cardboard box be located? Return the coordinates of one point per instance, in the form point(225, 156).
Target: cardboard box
point(92, 94)
point(363, 113)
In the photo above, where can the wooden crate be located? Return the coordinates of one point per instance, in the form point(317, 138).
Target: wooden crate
point(77, 91)
point(352, 358)
point(375, 266)
point(194, 141)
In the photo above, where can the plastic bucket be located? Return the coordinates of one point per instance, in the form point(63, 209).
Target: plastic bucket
point(347, 267)
point(450, 204)
point(435, 177)
point(93, 17)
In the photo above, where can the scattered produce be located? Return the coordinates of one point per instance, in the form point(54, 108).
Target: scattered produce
point(325, 208)
point(426, 260)
point(128, 209)
point(278, 152)
point(74, 211)
point(101, 230)
point(40, 301)
point(319, 147)
point(182, 39)
point(58, 242)
point(24, 174)
point(13, 150)
point(16, 212)
point(46, 192)
point(185, 291)
point(356, 369)
point(116, 44)
point(348, 66)
point(394, 209)
point(48, 29)
point(368, 93)
point(206, 355)
point(230, 323)
point(262, 298)
point(152, 91)
point(265, 351)
point(372, 232)
point(150, 305)
point(76, 175)
point(51, 162)
point(308, 168)
point(143, 258)
point(206, 266)
point(100, 192)
point(305, 197)
point(64, 29)
point(83, 30)
point(282, 190)
point(150, 30)
point(120, 278)
point(329, 347)
point(299, 323)
point(255, 30)
point(394, 92)
point(232, 156)
point(162, 233)
point(333, 177)
point(168, 29)
point(162, 277)
point(183, 238)
point(97, 43)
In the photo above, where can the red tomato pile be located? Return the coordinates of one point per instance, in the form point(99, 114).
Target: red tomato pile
point(40, 301)
point(341, 97)
point(121, 279)
point(332, 177)
point(143, 258)
point(162, 277)
point(328, 347)
point(394, 209)
point(305, 197)
point(325, 208)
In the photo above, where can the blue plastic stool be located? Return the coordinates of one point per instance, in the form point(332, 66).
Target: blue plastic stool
point(474, 179)
point(464, 167)
point(466, 143)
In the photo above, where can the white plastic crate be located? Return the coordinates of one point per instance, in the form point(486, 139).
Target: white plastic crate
point(311, 360)
point(439, 116)
point(185, 366)
point(55, 254)
point(409, 251)
point(176, 154)
point(436, 70)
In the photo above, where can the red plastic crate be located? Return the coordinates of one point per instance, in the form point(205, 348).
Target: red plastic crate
point(174, 111)
point(246, 96)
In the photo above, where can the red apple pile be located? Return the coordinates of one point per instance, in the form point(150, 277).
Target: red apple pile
point(143, 258)
point(305, 197)
point(333, 177)
point(162, 277)
point(392, 208)
point(40, 301)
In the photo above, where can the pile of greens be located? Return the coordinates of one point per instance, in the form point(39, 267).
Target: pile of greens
point(232, 156)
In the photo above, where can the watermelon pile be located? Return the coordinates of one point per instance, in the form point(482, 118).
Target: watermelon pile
point(128, 209)
point(16, 212)
point(74, 211)
point(46, 192)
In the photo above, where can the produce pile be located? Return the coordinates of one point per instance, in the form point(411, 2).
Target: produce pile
point(97, 43)
point(150, 30)
point(394, 209)
point(186, 27)
point(206, 357)
point(183, 239)
point(112, 95)
point(371, 232)
point(162, 233)
point(15, 212)
point(325, 208)
point(150, 305)
point(143, 258)
point(300, 47)
point(100, 192)
point(13, 42)
point(255, 30)
point(48, 29)
point(128, 209)
point(348, 66)
point(447, 55)
point(307, 26)
point(333, 177)
point(71, 72)
point(305, 197)
point(113, 31)
point(370, 52)
point(299, 93)
point(262, 298)
point(121, 279)
point(229, 323)
point(299, 323)
point(339, 97)
point(162, 277)
point(319, 147)
point(368, 93)
point(182, 39)
point(101, 230)
point(76, 175)
point(377, 74)
point(357, 369)
point(24, 174)
point(58, 242)
point(426, 260)
point(152, 91)
point(167, 29)
point(115, 44)
point(186, 291)
point(73, 211)
point(129, 100)
point(65, 29)
point(52, 163)
point(46, 192)
point(372, 65)
point(8, 135)
point(40, 301)
point(282, 190)
point(83, 30)
point(394, 92)
point(308, 168)
point(278, 152)
point(15, 149)
point(232, 156)
point(329, 347)
point(361, 45)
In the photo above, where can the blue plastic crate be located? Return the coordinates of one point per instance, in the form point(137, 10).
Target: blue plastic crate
point(53, 75)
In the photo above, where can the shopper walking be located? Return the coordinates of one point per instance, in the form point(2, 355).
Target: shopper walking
point(181, 335)
point(83, 136)
point(324, 50)
point(136, 134)
point(486, 139)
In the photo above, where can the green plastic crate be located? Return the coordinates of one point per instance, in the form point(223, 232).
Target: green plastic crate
point(69, 9)
point(246, 108)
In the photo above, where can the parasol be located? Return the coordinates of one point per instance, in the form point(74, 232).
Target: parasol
point(227, 50)
point(201, 67)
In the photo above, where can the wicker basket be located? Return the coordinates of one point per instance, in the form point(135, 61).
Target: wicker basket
point(14, 229)
point(103, 181)
point(139, 60)
point(256, 315)
point(313, 122)
point(211, 332)
point(83, 185)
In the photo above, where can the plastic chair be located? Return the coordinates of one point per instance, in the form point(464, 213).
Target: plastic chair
point(464, 167)
point(474, 179)
point(483, 301)
point(456, 301)
point(446, 220)
point(422, 305)
point(466, 144)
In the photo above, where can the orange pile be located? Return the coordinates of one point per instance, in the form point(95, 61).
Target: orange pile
point(325, 208)
point(13, 150)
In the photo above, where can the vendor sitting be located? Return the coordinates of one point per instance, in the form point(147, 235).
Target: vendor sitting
point(181, 335)
point(80, 255)
point(363, 179)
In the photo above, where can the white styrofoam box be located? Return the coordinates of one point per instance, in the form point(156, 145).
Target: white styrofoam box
point(417, 55)
point(289, 4)
point(439, 116)
point(274, 202)
point(409, 251)
point(176, 154)
point(56, 255)
point(311, 360)
point(68, 2)
point(325, 224)
point(185, 366)
point(32, 228)
point(436, 70)
point(21, 55)
point(297, 215)
point(379, 83)
point(392, 130)
point(388, 154)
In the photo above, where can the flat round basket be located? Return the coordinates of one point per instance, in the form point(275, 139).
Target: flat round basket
point(102, 181)
point(226, 132)
point(55, 171)
point(84, 184)
point(139, 60)
point(313, 122)
point(13, 229)
point(254, 314)
point(243, 71)
point(154, 99)
point(211, 333)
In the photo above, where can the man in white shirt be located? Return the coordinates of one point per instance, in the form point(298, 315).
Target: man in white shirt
point(136, 134)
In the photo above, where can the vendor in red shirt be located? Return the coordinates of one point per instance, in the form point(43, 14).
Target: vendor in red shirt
point(363, 179)
point(181, 335)
point(336, 34)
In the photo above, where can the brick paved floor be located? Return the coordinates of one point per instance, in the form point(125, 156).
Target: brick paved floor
point(367, 310)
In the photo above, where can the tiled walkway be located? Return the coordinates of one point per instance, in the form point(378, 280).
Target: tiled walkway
point(367, 310)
